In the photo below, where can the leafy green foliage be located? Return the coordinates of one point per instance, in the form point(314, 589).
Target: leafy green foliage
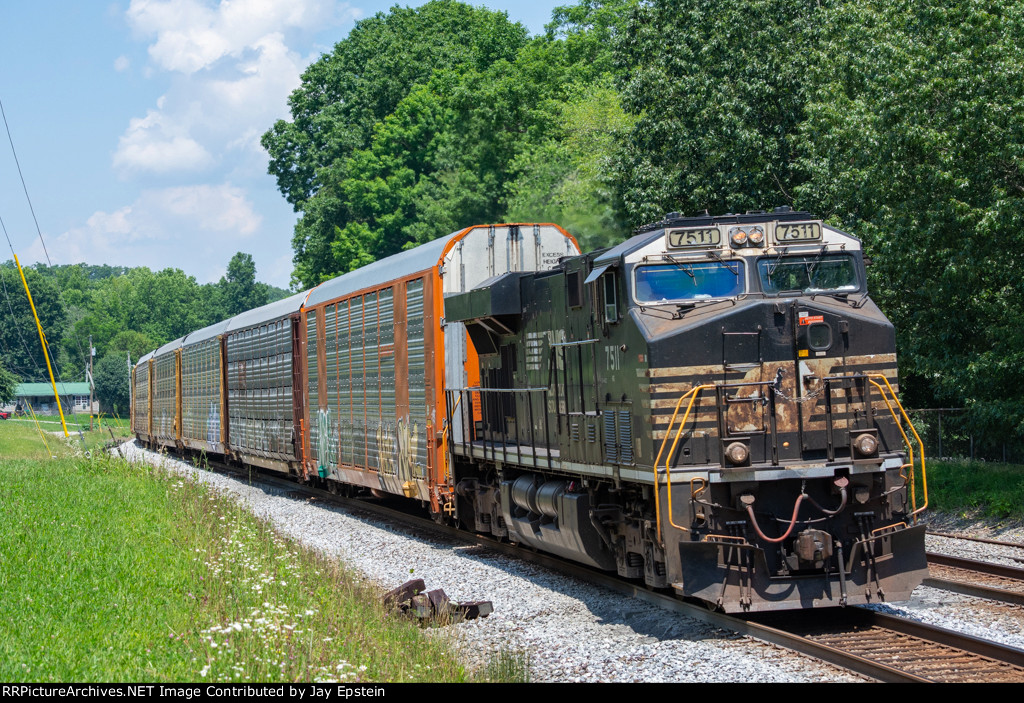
point(112, 378)
point(356, 106)
point(718, 87)
point(239, 289)
point(976, 489)
point(912, 139)
point(8, 384)
point(20, 349)
point(123, 310)
point(567, 178)
point(425, 121)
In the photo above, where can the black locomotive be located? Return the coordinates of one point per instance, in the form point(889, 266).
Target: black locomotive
point(709, 406)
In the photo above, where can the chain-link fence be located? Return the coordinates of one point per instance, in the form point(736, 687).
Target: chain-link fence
point(946, 433)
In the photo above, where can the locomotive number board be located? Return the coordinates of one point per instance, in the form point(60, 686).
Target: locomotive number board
point(693, 237)
point(798, 231)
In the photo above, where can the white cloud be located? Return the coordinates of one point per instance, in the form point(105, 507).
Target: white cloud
point(194, 228)
point(221, 209)
point(121, 64)
point(232, 66)
point(192, 35)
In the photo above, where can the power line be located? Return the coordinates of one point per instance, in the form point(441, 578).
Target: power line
point(39, 231)
point(23, 186)
point(14, 318)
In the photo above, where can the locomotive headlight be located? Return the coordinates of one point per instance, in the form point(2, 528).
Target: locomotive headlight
point(866, 444)
point(746, 236)
point(737, 453)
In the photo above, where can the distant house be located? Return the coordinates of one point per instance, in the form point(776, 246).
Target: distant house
point(73, 396)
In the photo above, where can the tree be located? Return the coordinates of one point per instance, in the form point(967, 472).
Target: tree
point(20, 349)
point(567, 178)
point(239, 289)
point(913, 140)
point(8, 385)
point(719, 88)
point(342, 132)
point(112, 378)
point(131, 342)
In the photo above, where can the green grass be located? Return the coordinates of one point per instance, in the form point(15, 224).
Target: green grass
point(976, 489)
point(115, 572)
point(105, 430)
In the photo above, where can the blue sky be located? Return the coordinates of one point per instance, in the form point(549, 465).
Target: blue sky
point(137, 125)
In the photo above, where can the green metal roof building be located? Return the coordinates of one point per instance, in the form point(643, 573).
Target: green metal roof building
point(74, 397)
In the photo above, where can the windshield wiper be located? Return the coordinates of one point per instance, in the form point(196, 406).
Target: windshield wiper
point(775, 264)
point(684, 267)
point(727, 264)
point(814, 264)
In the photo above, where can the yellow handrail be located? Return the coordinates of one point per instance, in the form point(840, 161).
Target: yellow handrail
point(910, 447)
point(694, 392)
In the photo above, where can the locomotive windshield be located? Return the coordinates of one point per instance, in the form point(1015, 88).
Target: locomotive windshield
point(809, 274)
point(688, 281)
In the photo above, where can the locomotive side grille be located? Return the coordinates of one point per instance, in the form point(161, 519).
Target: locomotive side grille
point(618, 436)
point(625, 436)
point(611, 448)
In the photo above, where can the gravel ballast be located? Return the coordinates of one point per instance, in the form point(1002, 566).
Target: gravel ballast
point(572, 631)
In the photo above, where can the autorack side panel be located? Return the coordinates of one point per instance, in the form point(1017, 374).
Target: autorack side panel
point(203, 390)
point(260, 401)
point(361, 433)
point(375, 354)
point(415, 357)
point(166, 386)
point(259, 347)
point(142, 398)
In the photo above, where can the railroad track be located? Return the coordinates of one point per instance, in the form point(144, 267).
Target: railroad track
point(983, 540)
point(877, 646)
point(976, 578)
point(904, 650)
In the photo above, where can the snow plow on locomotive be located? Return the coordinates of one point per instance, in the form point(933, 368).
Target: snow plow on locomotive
point(709, 406)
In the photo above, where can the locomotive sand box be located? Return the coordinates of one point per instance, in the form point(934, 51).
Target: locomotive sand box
point(709, 406)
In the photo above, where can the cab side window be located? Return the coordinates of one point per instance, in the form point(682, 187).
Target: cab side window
point(610, 297)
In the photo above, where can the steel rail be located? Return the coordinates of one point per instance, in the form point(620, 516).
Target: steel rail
point(977, 590)
point(983, 540)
